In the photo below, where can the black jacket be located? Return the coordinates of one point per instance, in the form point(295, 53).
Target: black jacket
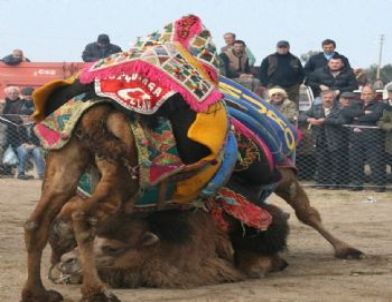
point(282, 70)
point(17, 133)
point(331, 134)
point(344, 81)
point(358, 116)
point(93, 52)
point(318, 61)
point(356, 113)
point(10, 60)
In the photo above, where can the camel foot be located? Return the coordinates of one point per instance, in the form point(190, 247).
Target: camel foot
point(41, 296)
point(105, 296)
point(349, 253)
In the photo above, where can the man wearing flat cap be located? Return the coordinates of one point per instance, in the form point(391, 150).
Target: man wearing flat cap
point(99, 49)
point(282, 69)
point(346, 99)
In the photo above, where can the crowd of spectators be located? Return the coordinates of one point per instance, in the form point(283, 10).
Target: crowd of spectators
point(17, 132)
point(347, 131)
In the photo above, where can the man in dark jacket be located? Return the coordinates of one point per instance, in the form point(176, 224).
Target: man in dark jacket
point(100, 49)
point(335, 76)
point(15, 58)
point(282, 69)
point(321, 59)
point(366, 140)
point(329, 139)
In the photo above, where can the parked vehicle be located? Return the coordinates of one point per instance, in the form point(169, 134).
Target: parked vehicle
point(35, 74)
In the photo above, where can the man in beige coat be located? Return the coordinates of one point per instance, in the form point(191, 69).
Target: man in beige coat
point(277, 97)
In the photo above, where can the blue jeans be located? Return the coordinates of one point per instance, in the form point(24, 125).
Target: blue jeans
point(25, 153)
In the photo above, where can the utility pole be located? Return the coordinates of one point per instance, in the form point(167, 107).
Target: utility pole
point(380, 57)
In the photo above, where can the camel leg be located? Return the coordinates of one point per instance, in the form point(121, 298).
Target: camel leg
point(114, 187)
point(61, 236)
point(292, 192)
point(62, 173)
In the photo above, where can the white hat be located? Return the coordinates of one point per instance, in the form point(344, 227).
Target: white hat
point(275, 90)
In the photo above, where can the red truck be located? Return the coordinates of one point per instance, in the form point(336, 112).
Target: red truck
point(35, 74)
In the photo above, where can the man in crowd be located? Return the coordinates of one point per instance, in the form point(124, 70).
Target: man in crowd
point(282, 69)
point(388, 100)
point(321, 59)
point(236, 65)
point(334, 76)
point(28, 106)
point(15, 58)
point(10, 119)
point(28, 145)
point(229, 41)
point(346, 101)
point(385, 124)
point(329, 139)
point(366, 140)
point(277, 97)
point(99, 49)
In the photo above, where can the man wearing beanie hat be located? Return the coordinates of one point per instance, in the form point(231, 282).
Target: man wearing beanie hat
point(282, 69)
point(99, 49)
point(277, 97)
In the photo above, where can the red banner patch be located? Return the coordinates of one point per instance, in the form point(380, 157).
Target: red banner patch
point(134, 92)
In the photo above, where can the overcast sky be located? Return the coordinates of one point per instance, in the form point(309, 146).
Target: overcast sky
point(58, 30)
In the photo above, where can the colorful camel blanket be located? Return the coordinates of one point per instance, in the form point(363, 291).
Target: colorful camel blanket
point(269, 128)
point(181, 59)
point(157, 152)
point(234, 204)
point(56, 129)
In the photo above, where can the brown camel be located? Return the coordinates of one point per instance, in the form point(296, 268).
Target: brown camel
point(98, 141)
point(169, 249)
point(102, 138)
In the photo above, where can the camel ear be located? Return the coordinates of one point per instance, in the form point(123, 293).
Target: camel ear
point(149, 239)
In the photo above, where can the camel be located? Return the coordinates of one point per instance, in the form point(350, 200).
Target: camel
point(170, 249)
point(102, 138)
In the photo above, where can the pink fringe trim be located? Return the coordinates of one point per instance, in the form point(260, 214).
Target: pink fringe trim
point(193, 30)
point(252, 136)
point(156, 75)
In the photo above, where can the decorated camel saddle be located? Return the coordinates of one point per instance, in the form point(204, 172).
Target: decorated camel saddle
point(182, 60)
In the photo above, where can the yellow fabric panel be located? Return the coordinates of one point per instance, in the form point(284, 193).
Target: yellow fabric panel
point(40, 96)
point(210, 129)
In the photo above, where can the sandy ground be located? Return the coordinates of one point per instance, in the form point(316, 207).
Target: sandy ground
point(363, 219)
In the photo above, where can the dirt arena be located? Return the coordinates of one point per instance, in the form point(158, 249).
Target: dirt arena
point(363, 219)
